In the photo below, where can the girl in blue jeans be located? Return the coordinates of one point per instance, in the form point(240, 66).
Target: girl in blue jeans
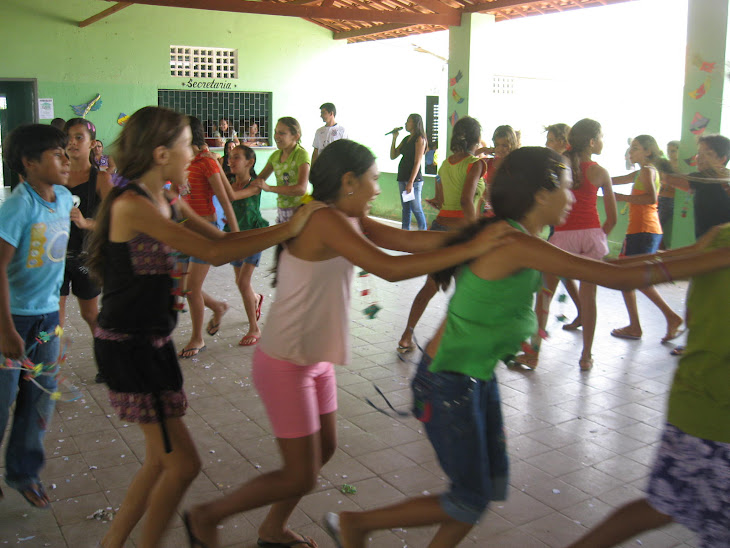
point(491, 313)
point(412, 148)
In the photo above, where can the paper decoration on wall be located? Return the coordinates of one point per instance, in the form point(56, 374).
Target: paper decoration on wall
point(699, 124)
point(691, 161)
point(455, 80)
point(453, 118)
point(703, 65)
point(83, 109)
point(122, 118)
point(700, 91)
point(458, 98)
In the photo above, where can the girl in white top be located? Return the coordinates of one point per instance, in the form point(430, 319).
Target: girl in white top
point(307, 332)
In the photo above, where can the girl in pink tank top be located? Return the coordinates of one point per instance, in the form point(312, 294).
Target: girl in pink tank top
point(582, 234)
point(307, 332)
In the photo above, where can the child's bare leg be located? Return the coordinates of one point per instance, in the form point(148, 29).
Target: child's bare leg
point(629, 520)
point(250, 300)
point(674, 320)
point(274, 527)
point(143, 492)
point(588, 317)
point(418, 307)
point(634, 327)
point(195, 278)
point(297, 478)
point(415, 512)
point(572, 288)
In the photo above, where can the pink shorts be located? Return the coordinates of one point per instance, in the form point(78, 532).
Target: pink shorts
point(589, 242)
point(294, 395)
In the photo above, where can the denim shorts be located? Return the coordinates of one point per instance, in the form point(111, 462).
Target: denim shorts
point(641, 243)
point(254, 259)
point(463, 420)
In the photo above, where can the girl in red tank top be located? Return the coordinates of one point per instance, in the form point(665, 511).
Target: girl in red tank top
point(582, 234)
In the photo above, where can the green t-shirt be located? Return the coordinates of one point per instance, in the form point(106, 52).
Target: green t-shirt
point(699, 401)
point(487, 321)
point(287, 173)
point(248, 213)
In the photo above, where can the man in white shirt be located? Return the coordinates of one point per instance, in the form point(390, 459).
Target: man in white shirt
point(330, 132)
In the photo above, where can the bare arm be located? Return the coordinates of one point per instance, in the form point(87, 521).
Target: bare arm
point(409, 241)
point(132, 214)
point(676, 181)
point(437, 202)
point(216, 183)
point(531, 252)
point(395, 150)
point(646, 177)
point(624, 179)
point(299, 189)
point(315, 153)
point(337, 234)
point(12, 345)
point(265, 174)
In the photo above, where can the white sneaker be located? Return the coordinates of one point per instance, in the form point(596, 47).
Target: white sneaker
point(331, 523)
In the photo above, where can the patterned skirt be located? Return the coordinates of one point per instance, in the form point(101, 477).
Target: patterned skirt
point(691, 483)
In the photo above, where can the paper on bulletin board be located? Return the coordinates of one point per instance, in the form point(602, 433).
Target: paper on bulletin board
point(45, 109)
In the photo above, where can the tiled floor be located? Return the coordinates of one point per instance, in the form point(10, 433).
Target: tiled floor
point(580, 443)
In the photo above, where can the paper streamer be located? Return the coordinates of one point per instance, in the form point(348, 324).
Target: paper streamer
point(699, 124)
point(458, 98)
point(455, 80)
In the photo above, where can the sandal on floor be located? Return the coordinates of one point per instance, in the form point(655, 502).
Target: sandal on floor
point(331, 523)
point(405, 349)
point(186, 353)
point(193, 541)
point(252, 340)
point(214, 325)
point(585, 364)
point(258, 309)
point(527, 360)
point(574, 325)
point(623, 333)
point(674, 334)
point(39, 492)
point(677, 351)
point(303, 542)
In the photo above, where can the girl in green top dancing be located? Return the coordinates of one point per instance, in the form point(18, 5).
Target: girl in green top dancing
point(490, 315)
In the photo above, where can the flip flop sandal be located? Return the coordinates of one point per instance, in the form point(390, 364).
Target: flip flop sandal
point(39, 492)
point(213, 326)
point(586, 364)
point(528, 361)
point(266, 544)
point(405, 349)
point(252, 342)
point(575, 325)
point(671, 336)
point(186, 353)
point(620, 333)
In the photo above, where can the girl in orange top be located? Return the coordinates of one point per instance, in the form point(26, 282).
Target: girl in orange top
point(644, 233)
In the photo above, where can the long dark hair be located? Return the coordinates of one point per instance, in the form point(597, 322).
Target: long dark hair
point(466, 134)
point(418, 130)
point(656, 156)
point(146, 129)
point(520, 176)
point(226, 166)
point(339, 158)
point(579, 140)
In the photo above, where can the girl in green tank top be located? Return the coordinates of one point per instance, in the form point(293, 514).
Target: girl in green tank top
point(488, 318)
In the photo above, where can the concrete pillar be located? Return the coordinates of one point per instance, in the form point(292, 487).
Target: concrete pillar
point(470, 74)
point(706, 92)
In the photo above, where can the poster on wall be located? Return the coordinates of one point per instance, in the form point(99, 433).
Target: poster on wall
point(45, 109)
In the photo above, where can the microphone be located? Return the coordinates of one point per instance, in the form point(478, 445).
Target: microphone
point(394, 130)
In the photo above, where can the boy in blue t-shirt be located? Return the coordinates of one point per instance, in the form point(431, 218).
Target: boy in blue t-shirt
point(34, 228)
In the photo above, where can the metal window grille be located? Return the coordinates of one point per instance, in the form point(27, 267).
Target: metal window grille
point(200, 62)
point(240, 108)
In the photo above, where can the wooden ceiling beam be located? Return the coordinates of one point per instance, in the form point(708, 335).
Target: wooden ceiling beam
point(106, 13)
point(312, 12)
point(367, 31)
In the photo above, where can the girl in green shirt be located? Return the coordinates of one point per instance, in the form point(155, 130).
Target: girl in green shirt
point(490, 315)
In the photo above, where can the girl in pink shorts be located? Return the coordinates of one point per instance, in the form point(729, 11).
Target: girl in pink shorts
point(308, 331)
point(582, 234)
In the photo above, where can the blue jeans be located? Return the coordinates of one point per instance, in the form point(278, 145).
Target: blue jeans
point(463, 420)
point(414, 206)
point(25, 456)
